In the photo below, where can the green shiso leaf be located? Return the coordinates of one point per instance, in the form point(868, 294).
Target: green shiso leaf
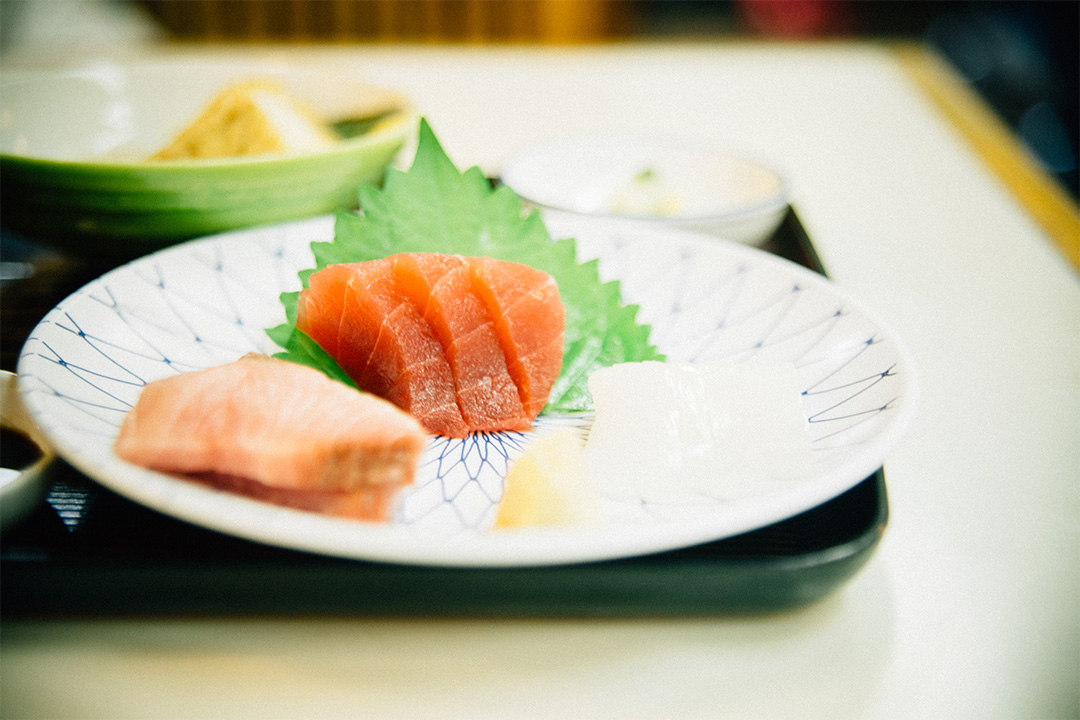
point(301, 349)
point(433, 207)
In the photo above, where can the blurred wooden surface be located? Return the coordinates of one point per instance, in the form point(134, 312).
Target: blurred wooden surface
point(534, 21)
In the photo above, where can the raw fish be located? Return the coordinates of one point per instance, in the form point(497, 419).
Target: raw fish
point(277, 431)
point(464, 344)
point(670, 432)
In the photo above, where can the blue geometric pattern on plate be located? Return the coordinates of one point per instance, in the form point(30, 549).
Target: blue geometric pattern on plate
point(208, 302)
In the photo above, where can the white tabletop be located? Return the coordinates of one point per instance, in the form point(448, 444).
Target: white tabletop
point(970, 606)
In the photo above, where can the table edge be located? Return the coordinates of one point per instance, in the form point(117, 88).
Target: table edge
point(1052, 208)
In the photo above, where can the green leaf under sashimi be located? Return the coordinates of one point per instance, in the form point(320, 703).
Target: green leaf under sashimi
point(433, 207)
point(301, 349)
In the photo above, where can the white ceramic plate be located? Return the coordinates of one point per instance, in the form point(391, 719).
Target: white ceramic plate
point(208, 301)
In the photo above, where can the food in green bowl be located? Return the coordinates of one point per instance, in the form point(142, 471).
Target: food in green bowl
point(75, 149)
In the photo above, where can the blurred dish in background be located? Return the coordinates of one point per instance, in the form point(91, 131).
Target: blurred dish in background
point(633, 178)
point(74, 146)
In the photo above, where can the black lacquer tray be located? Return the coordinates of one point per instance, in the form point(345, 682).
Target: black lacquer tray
point(88, 551)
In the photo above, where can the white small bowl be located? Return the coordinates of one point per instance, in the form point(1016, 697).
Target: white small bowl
point(662, 180)
point(22, 489)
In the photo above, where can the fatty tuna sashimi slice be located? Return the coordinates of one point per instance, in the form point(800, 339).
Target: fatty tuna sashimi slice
point(442, 286)
point(373, 502)
point(530, 320)
point(274, 429)
point(499, 326)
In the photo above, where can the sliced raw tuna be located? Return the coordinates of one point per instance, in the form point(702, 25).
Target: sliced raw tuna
point(434, 333)
point(381, 341)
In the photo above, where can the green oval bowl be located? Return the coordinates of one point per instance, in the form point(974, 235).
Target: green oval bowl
point(71, 143)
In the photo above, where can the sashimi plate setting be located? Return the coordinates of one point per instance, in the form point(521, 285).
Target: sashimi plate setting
point(210, 301)
point(206, 302)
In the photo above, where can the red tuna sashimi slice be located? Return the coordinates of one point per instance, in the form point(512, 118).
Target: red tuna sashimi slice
point(409, 363)
point(471, 306)
point(320, 315)
point(381, 341)
point(278, 431)
point(442, 286)
point(530, 320)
